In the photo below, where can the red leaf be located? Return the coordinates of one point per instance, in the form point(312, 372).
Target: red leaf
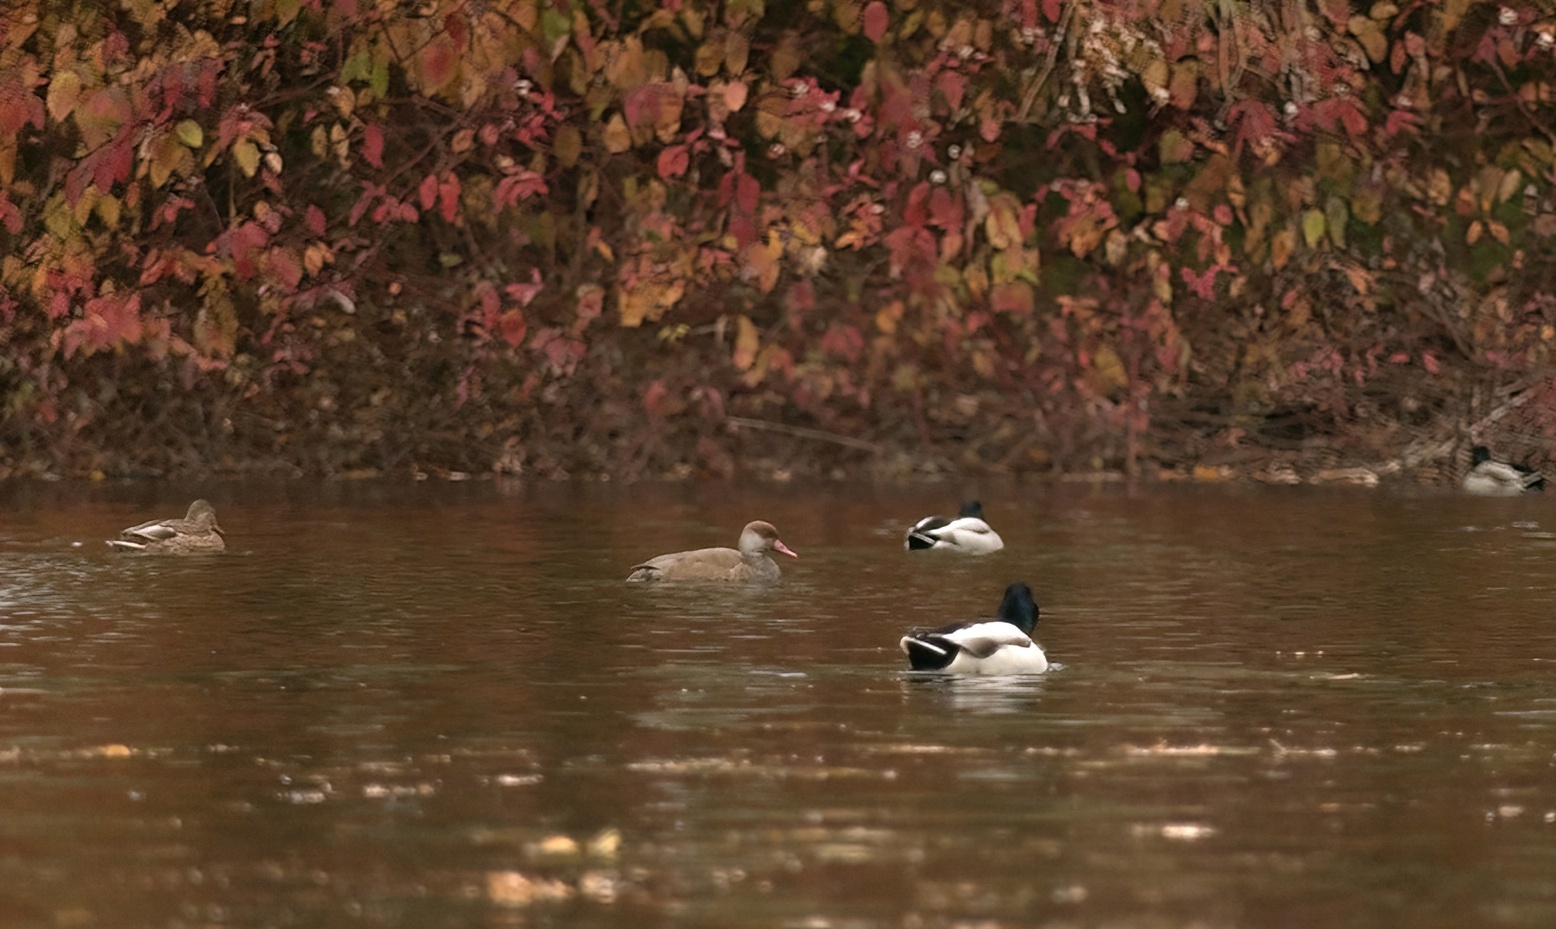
point(314, 218)
point(945, 211)
point(373, 145)
point(1052, 9)
point(1254, 120)
point(1014, 299)
point(521, 186)
point(526, 293)
point(747, 193)
point(427, 193)
point(875, 18)
point(105, 322)
point(1399, 121)
point(914, 212)
point(952, 86)
point(448, 196)
point(843, 339)
point(654, 398)
point(512, 327)
point(10, 215)
point(674, 161)
point(284, 266)
point(439, 62)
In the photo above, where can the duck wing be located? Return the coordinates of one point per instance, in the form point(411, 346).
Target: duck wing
point(936, 650)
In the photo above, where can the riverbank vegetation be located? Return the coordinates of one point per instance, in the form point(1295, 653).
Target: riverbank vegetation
point(892, 237)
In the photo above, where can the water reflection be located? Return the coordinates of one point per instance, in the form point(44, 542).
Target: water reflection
point(430, 705)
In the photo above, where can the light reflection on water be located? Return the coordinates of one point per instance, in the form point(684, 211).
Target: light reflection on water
point(422, 705)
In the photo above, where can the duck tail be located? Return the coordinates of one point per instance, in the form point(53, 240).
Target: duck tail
point(925, 655)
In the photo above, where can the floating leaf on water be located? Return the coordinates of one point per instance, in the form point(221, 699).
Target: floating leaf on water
point(553, 846)
point(606, 843)
point(511, 888)
point(599, 886)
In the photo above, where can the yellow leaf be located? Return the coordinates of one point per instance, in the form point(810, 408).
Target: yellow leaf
point(1175, 147)
point(1109, 368)
point(1185, 84)
point(568, 145)
point(1281, 247)
point(710, 56)
point(1312, 227)
point(1509, 185)
point(190, 133)
point(617, 137)
point(634, 304)
point(316, 256)
point(1369, 33)
point(64, 91)
point(247, 155)
point(82, 211)
point(1439, 187)
point(1473, 235)
point(746, 343)
point(737, 49)
point(1154, 77)
point(1001, 225)
point(108, 210)
point(1337, 214)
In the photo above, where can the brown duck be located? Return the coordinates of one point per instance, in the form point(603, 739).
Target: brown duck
point(196, 532)
point(750, 563)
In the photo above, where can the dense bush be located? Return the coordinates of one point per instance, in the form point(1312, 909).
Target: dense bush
point(582, 237)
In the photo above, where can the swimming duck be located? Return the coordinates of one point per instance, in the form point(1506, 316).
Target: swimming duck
point(750, 563)
point(1002, 645)
point(197, 532)
point(966, 533)
point(1498, 478)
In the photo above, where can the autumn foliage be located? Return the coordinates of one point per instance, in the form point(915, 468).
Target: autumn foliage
point(571, 236)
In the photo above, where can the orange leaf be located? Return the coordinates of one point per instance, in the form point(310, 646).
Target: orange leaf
point(746, 343)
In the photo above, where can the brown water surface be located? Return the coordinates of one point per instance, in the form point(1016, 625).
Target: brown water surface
point(438, 705)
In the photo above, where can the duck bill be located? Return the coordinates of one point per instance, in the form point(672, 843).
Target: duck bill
point(779, 546)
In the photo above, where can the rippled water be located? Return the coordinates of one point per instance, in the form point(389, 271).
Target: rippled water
point(438, 705)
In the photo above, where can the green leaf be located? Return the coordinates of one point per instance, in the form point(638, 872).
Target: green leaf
point(1312, 227)
point(190, 133)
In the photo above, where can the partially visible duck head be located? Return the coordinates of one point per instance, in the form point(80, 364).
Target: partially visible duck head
point(202, 514)
point(760, 536)
point(1018, 608)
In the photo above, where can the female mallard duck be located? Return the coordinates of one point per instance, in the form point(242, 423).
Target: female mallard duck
point(196, 532)
point(750, 563)
point(966, 533)
point(991, 646)
point(1498, 478)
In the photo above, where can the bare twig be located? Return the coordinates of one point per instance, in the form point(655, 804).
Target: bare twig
point(802, 432)
point(1029, 99)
